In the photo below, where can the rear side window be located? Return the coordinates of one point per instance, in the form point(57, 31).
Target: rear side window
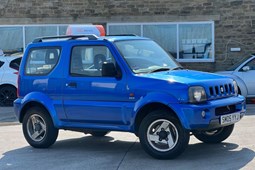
point(1, 64)
point(41, 61)
point(15, 63)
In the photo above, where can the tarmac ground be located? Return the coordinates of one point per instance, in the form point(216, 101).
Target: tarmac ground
point(120, 150)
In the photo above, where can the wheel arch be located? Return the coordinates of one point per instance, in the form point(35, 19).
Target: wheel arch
point(146, 109)
point(7, 84)
point(39, 99)
point(30, 105)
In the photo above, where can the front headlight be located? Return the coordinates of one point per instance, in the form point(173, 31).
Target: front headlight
point(197, 94)
point(235, 87)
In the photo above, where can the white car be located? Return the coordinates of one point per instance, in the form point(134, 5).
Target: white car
point(9, 67)
point(243, 73)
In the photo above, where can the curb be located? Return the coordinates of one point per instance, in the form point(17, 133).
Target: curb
point(9, 123)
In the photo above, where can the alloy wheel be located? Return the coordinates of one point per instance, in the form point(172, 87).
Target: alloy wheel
point(36, 127)
point(162, 135)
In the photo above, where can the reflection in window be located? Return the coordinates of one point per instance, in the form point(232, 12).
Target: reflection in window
point(144, 56)
point(195, 41)
point(11, 39)
point(165, 35)
point(187, 42)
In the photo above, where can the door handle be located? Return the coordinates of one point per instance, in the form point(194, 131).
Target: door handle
point(71, 84)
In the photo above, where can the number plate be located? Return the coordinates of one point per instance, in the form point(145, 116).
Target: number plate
point(230, 118)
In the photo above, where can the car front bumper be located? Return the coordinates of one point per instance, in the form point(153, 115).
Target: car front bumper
point(207, 116)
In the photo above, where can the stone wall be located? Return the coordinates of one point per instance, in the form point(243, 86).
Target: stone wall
point(234, 19)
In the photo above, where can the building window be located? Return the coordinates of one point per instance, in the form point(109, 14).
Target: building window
point(165, 35)
point(195, 41)
point(185, 41)
point(32, 32)
point(125, 29)
point(15, 38)
point(62, 30)
point(11, 39)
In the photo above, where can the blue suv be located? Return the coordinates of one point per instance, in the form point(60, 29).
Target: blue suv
point(125, 83)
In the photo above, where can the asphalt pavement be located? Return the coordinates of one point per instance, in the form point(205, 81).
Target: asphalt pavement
point(122, 151)
point(7, 116)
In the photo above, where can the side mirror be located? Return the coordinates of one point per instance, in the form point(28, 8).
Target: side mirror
point(109, 70)
point(246, 68)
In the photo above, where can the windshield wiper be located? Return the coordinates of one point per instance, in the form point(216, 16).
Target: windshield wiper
point(159, 69)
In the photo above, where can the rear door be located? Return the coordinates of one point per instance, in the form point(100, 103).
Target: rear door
point(88, 96)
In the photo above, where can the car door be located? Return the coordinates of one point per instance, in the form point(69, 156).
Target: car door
point(89, 97)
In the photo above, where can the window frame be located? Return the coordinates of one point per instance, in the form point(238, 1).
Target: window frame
point(177, 37)
point(16, 26)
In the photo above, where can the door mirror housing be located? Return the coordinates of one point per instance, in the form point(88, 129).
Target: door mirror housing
point(110, 70)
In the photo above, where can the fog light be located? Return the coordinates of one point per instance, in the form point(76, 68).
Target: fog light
point(203, 114)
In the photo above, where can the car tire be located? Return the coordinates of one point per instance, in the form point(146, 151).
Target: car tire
point(98, 133)
point(162, 135)
point(216, 135)
point(7, 95)
point(38, 128)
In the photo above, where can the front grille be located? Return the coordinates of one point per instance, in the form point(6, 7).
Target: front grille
point(221, 90)
point(225, 110)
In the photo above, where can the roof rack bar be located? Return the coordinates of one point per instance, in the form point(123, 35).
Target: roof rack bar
point(69, 37)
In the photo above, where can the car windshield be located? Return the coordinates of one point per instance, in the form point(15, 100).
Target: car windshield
point(145, 56)
point(233, 67)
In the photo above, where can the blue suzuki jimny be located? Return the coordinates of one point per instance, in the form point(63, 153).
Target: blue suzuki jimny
point(124, 83)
